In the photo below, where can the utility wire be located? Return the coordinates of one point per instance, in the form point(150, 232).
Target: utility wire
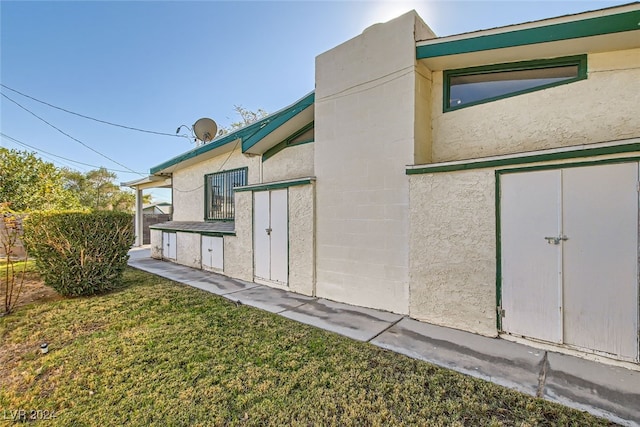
point(62, 163)
point(92, 118)
point(24, 144)
point(75, 139)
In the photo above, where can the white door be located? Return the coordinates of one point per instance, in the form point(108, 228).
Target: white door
point(576, 228)
point(169, 245)
point(531, 267)
point(601, 258)
point(271, 236)
point(261, 238)
point(212, 249)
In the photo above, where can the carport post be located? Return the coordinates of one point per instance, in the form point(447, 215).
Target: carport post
point(138, 218)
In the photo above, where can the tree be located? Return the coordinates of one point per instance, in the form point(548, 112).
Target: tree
point(246, 118)
point(29, 183)
point(97, 190)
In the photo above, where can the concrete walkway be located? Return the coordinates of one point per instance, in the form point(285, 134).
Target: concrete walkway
point(607, 391)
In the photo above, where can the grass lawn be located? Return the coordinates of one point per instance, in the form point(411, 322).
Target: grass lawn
point(159, 353)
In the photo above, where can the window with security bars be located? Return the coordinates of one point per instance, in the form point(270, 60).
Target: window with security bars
point(219, 193)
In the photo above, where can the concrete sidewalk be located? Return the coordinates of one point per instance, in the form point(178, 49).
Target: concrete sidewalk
point(607, 391)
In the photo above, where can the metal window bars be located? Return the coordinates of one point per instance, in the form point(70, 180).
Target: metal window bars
point(220, 193)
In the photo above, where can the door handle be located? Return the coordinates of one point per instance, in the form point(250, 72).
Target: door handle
point(268, 230)
point(556, 240)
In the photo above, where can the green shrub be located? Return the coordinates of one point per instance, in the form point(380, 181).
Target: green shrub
point(80, 253)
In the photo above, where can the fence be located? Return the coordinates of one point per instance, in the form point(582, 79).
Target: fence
point(18, 250)
point(150, 219)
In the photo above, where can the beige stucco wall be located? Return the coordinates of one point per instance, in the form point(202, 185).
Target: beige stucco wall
point(301, 239)
point(238, 249)
point(364, 137)
point(188, 183)
point(156, 243)
point(603, 107)
point(292, 162)
point(422, 127)
point(188, 249)
point(453, 250)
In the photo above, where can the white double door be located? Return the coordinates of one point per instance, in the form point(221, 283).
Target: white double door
point(271, 236)
point(212, 253)
point(569, 256)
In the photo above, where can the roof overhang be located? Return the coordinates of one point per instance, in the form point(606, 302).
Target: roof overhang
point(615, 28)
point(148, 182)
point(287, 126)
point(255, 138)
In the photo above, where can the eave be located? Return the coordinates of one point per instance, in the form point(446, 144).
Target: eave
point(255, 138)
point(609, 29)
point(148, 182)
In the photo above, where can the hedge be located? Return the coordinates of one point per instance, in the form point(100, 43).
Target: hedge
point(80, 253)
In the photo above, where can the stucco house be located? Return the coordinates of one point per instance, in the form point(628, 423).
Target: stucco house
point(486, 181)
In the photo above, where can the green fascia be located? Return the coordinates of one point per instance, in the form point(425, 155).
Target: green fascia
point(563, 155)
point(276, 120)
point(275, 185)
point(621, 22)
point(203, 233)
point(252, 133)
point(216, 143)
point(287, 142)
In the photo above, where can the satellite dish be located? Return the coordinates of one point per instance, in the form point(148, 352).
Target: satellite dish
point(205, 129)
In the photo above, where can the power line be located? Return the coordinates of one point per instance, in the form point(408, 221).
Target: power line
point(44, 156)
point(92, 118)
point(67, 135)
point(39, 150)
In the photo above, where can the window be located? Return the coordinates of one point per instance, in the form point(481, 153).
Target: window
point(219, 193)
point(471, 86)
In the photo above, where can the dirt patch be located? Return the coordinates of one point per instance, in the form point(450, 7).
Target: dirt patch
point(34, 290)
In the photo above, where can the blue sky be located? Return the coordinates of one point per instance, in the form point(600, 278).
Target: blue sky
point(156, 65)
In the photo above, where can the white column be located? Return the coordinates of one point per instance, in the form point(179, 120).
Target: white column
point(138, 218)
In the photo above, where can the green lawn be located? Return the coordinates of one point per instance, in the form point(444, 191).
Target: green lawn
point(159, 353)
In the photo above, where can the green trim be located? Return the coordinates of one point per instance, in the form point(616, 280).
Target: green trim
point(579, 60)
point(277, 120)
point(563, 155)
point(203, 149)
point(275, 185)
point(287, 142)
point(249, 135)
point(620, 22)
point(570, 165)
point(203, 233)
point(498, 254)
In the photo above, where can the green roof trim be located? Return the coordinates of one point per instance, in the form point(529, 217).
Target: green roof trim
point(249, 135)
point(278, 119)
point(511, 161)
point(276, 185)
point(626, 21)
point(287, 142)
